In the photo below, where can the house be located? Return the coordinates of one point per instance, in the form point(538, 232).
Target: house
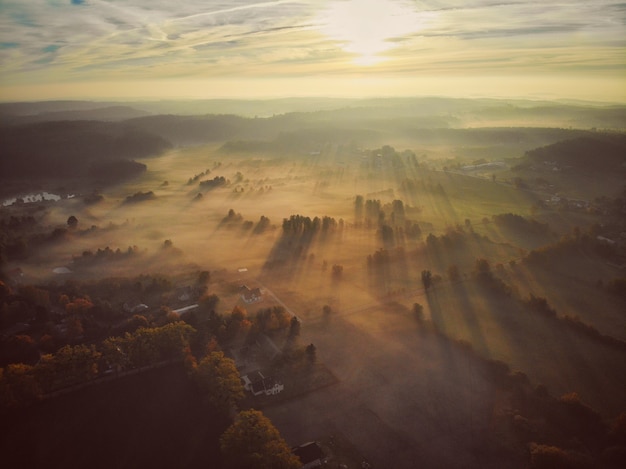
point(187, 293)
point(310, 454)
point(250, 295)
point(251, 378)
point(258, 384)
point(605, 240)
point(15, 329)
point(272, 387)
point(180, 311)
point(138, 308)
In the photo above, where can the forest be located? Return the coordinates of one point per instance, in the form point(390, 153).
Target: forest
point(405, 282)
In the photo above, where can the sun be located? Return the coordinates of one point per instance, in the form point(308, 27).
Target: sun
point(366, 28)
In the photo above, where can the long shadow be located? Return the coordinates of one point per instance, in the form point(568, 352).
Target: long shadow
point(290, 253)
point(378, 273)
point(549, 352)
point(436, 313)
point(286, 254)
point(470, 315)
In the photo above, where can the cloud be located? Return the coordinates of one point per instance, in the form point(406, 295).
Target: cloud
point(42, 40)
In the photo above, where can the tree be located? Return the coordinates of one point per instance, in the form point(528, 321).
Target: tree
point(358, 208)
point(218, 377)
point(482, 268)
point(68, 366)
point(18, 386)
point(294, 327)
point(209, 302)
point(79, 306)
point(418, 311)
point(238, 322)
point(552, 457)
point(18, 349)
point(311, 353)
point(72, 222)
point(427, 279)
point(252, 442)
point(203, 278)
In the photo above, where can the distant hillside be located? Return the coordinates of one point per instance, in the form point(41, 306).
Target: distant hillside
point(73, 148)
point(429, 111)
point(112, 113)
point(602, 153)
point(27, 113)
point(192, 130)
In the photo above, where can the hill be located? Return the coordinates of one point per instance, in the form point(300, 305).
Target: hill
point(601, 153)
point(72, 148)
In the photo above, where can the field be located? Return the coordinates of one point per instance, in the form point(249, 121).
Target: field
point(154, 419)
point(340, 227)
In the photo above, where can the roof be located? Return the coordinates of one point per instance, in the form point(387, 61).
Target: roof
point(257, 387)
point(186, 308)
point(255, 376)
point(308, 452)
point(249, 294)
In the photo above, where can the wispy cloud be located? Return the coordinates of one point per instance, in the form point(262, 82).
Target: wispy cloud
point(86, 40)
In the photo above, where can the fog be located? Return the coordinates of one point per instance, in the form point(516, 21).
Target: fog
point(330, 210)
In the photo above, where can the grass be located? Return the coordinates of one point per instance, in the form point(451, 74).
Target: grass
point(498, 327)
point(340, 453)
point(154, 419)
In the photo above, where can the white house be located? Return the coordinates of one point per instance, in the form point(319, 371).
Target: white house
point(251, 295)
point(258, 384)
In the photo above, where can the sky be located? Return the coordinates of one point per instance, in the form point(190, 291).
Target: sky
point(145, 49)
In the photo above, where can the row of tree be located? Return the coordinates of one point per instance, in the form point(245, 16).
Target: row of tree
point(301, 225)
point(21, 384)
point(236, 220)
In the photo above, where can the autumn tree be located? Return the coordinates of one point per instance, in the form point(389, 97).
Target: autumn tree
point(552, 457)
point(18, 349)
point(18, 386)
point(252, 442)
point(209, 302)
point(218, 377)
point(79, 306)
point(147, 346)
point(272, 319)
point(238, 322)
point(68, 366)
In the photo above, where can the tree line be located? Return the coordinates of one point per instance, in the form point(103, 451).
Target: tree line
point(21, 384)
